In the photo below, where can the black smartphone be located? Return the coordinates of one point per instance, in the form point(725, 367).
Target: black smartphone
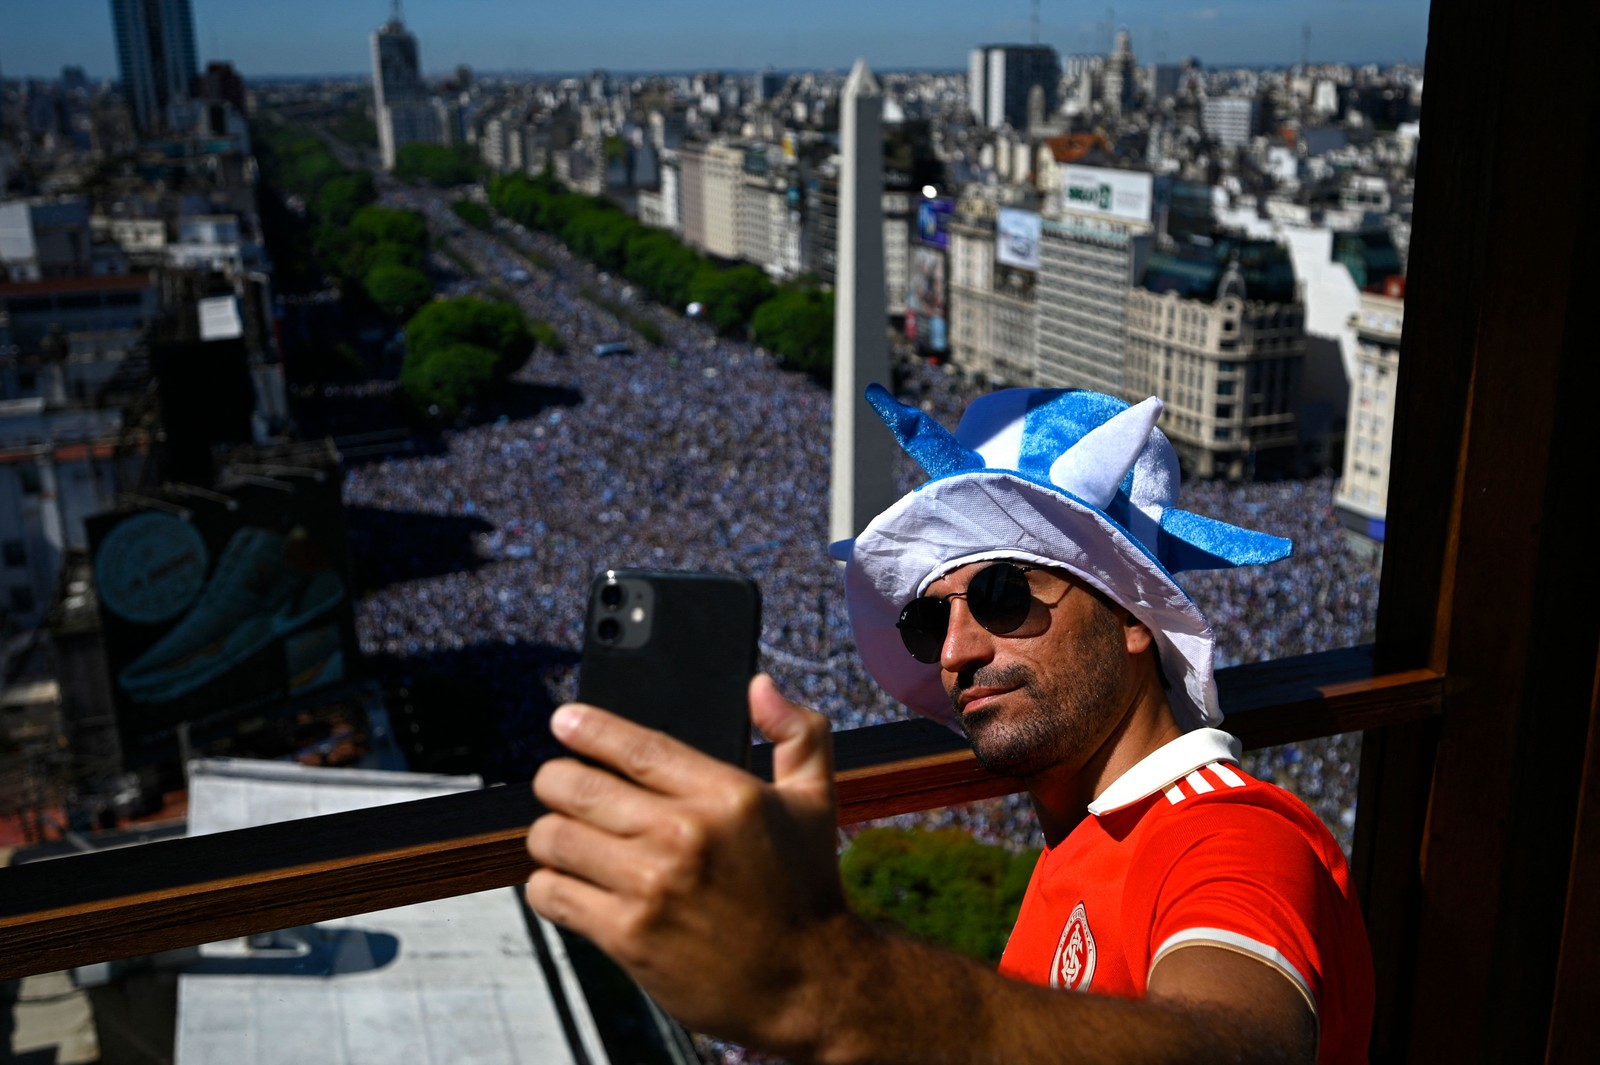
point(675, 652)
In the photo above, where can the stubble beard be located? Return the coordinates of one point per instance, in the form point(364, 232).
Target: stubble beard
point(1048, 721)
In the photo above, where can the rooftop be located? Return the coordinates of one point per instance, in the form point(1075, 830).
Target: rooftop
point(457, 979)
point(1196, 269)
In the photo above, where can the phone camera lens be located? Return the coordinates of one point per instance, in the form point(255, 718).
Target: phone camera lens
point(611, 596)
point(609, 629)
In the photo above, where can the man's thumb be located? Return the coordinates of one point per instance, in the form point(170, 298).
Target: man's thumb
point(802, 747)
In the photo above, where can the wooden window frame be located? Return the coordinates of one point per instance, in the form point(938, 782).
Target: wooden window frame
point(1478, 828)
point(160, 896)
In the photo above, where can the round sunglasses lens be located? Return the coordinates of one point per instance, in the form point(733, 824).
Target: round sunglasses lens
point(1000, 598)
point(922, 625)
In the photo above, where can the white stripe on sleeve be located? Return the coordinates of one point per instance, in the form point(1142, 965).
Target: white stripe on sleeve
point(1217, 937)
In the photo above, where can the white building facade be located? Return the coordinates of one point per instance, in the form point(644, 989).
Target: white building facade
point(1361, 499)
point(1229, 373)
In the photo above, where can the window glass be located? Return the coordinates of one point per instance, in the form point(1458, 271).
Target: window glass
point(427, 611)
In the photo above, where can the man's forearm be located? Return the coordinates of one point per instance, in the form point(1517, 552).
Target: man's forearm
point(890, 1000)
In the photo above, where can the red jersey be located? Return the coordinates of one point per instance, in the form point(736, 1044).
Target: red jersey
point(1185, 849)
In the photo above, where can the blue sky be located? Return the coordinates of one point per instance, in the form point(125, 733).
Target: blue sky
point(38, 37)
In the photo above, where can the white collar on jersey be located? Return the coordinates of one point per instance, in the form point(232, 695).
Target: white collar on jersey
point(1165, 764)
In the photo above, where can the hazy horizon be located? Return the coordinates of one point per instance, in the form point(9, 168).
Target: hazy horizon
point(307, 38)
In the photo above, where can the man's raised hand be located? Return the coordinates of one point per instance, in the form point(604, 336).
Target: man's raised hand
point(718, 892)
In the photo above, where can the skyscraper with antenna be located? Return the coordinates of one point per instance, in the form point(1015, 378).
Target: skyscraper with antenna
point(400, 99)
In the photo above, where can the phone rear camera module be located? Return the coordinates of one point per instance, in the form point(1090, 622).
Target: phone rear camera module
point(620, 609)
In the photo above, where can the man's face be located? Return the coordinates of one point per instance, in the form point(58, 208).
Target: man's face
point(1046, 694)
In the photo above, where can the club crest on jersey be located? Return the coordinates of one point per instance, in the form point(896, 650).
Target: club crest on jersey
point(1073, 968)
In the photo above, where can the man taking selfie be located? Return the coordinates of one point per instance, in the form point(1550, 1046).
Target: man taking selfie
point(1180, 910)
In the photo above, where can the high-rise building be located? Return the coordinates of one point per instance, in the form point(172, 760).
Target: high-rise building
point(1362, 498)
point(1091, 253)
point(400, 99)
point(156, 56)
point(692, 193)
point(768, 83)
point(1119, 76)
point(993, 317)
point(1229, 120)
point(222, 83)
point(722, 178)
point(1166, 79)
point(999, 77)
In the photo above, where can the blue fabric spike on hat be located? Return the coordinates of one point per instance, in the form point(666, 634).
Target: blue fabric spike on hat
point(1192, 541)
point(930, 443)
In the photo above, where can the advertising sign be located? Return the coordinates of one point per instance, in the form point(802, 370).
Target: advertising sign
point(933, 221)
point(217, 604)
point(1016, 238)
point(1123, 193)
point(927, 321)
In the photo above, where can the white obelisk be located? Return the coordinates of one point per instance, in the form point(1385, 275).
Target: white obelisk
point(863, 449)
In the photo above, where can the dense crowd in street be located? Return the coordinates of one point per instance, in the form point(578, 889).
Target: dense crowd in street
point(703, 453)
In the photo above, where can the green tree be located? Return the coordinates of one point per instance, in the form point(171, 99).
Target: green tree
point(303, 163)
point(496, 327)
point(397, 290)
point(730, 296)
point(660, 264)
point(940, 887)
point(797, 324)
point(448, 378)
point(375, 225)
point(342, 196)
point(375, 236)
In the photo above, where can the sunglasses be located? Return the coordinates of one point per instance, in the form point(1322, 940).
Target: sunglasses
point(998, 596)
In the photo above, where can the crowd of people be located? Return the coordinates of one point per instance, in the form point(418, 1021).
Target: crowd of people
point(704, 453)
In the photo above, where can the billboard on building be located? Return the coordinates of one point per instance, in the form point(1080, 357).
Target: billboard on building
point(927, 321)
point(933, 221)
point(1123, 193)
point(218, 604)
point(1016, 238)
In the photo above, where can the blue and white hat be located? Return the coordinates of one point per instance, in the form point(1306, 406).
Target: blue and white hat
point(1056, 477)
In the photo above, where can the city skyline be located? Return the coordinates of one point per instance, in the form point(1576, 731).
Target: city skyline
point(306, 38)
